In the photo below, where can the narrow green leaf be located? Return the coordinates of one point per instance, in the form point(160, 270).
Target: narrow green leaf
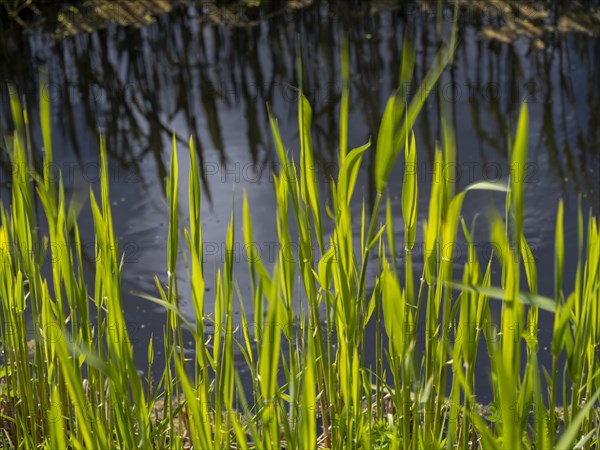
point(570, 434)
point(544, 303)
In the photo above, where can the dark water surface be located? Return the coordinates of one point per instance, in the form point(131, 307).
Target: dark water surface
point(187, 75)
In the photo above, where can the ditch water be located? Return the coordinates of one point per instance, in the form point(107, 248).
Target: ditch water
point(192, 72)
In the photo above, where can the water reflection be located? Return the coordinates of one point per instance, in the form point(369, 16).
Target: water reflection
point(133, 83)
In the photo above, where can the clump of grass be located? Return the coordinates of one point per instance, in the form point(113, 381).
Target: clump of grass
point(78, 387)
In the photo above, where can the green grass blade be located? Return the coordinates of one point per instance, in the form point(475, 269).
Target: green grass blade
point(545, 303)
point(570, 434)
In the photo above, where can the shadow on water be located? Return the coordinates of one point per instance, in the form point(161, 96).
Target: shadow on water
point(209, 73)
